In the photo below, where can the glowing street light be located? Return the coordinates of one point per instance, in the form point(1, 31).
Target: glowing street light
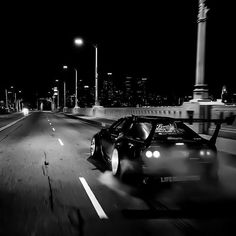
point(79, 42)
point(65, 67)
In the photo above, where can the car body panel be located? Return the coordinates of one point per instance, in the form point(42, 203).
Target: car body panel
point(158, 147)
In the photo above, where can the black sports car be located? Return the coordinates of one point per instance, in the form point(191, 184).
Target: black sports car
point(151, 148)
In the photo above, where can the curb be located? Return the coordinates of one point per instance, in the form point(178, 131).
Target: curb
point(12, 123)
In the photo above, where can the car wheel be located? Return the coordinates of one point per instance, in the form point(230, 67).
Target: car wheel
point(115, 163)
point(94, 147)
point(122, 169)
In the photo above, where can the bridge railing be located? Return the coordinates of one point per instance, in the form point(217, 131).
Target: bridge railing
point(187, 110)
point(184, 111)
point(226, 131)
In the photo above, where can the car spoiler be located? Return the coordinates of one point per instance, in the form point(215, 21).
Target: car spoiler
point(228, 120)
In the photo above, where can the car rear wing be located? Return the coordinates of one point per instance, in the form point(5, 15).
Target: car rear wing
point(228, 120)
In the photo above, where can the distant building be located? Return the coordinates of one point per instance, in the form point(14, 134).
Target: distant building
point(107, 91)
point(128, 88)
point(127, 91)
point(141, 92)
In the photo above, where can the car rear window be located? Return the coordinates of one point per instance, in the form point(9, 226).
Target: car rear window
point(140, 130)
point(175, 130)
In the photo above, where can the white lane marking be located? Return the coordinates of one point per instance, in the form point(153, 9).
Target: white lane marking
point(53, 129)
point(50, 123)
point(93, 199)
point(14, 122)
point(59, 140)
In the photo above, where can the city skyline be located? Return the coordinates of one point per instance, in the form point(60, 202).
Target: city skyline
point(159, 43)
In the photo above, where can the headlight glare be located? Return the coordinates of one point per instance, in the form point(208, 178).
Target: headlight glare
point(206, 153)
point(25, 111)
point(148, 154)
point(156, 154)
point(202, 153)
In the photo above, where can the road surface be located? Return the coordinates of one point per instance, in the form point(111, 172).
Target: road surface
point(49, 186)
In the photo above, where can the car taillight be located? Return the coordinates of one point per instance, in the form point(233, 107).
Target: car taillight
point(150, 154)
point(206, 153)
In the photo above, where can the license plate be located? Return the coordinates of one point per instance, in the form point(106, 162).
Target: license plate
point(180, 178)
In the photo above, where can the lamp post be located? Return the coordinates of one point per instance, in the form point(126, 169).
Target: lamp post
point(76, 87)
point(7, 107)
point(79, 42)
point(64, 85)
point(96, 76)
point(58, 98)
point(12, 99)
point(53, 100)
point(19, 100)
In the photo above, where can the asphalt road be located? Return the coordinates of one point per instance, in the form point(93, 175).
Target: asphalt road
point(48, 186)
point(8, 119)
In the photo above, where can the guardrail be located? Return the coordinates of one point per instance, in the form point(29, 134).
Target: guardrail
point(221, 112)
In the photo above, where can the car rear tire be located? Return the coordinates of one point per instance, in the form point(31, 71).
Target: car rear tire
point(124, 172)
point(115, 163)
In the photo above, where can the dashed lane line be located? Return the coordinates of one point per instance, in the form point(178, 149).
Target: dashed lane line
point(59, 140)
point(93, 199)
point(53, 129)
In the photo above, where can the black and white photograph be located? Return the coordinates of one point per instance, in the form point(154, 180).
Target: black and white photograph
point(117, 118)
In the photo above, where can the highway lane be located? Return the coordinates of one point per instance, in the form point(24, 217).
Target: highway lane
point(45, 180)
point(48, 187)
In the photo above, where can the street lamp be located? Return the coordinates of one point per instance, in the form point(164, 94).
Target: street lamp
point(19, 104)
point(65, 67)
point(79, 42)
point(6, 98)
point(58, 103)
point(76, 86)
point(12, 97)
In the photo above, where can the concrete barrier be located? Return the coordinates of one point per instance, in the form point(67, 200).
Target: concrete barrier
point(226, 131)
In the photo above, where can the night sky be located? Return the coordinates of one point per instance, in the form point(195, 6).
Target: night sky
point(155, 39)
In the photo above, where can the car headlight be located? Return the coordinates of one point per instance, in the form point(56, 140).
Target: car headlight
point(25, 111)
